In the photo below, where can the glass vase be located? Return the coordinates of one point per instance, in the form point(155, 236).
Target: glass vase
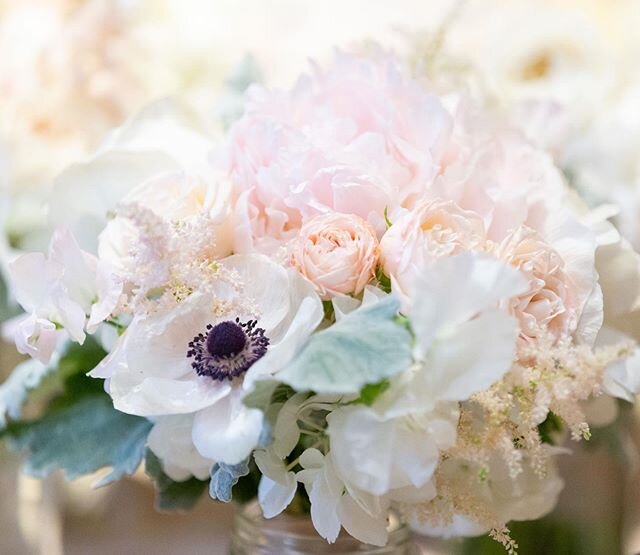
point(294, 534)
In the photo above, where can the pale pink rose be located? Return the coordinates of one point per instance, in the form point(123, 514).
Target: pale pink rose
point(338, 253)
point(358, 138)
point(550, 304)
point(431, 230)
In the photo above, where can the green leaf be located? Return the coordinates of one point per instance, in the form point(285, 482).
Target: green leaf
point(364, 347)
point(371, 392)
point(329, 310)
point(32, 379)
point(83, 437)
point(13, 392)
point(170, 495)
point(549, 428)
point(383, 280)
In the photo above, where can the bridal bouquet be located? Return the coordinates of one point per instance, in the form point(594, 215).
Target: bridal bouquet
point(370, 296)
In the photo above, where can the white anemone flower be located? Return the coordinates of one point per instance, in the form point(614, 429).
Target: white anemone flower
point(193, 358)
point(464, 344)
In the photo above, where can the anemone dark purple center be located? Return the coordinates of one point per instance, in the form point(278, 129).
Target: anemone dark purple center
point(226, 339)
point(226, 350)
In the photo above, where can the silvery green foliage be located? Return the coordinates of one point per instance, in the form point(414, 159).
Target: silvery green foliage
point(224, 477)
point(13, 392)
point(170, 495)
point(364, 347)
point(83, 437)
point(30, 375)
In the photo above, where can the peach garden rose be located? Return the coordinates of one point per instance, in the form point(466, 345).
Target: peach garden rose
point(338, 253)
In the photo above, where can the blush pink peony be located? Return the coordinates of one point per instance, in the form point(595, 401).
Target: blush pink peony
point(338, 253)
point(363, 139)
point(357, 138)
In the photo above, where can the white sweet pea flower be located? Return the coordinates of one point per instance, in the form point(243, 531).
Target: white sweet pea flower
point(65, 289)
point(193, 358)
point(464, 343)
point(336, 503)
point(278, 485)
point(33, 336)
point(170, 440)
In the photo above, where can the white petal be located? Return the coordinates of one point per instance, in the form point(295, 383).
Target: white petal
point(71, 315)
point(165, 126)
point(286, 432)
point(471, 358)
point(84, 194)
point(266, 284)
point(456, 288)
point(305, 314)
point(157, 346)
point(343, 304)
point(324, 506)
point(160, 396)
point(622, 378)
point(109, 290)
point(376, 454)
point(78, 268)
point(591, 317)
point(170, 440)
point(360, 524)
point(460, 527)
point(37, 338)
point(227, 431)
point(275, 497)
point(32, 277)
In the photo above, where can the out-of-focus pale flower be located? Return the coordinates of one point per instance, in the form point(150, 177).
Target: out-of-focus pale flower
point(67, 289)
point(528, 496)
point(68, 74)
point(338, 253)
point(558, 51)
point(431, 230)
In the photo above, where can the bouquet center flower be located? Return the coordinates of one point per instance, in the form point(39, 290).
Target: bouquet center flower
point(227, 349)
